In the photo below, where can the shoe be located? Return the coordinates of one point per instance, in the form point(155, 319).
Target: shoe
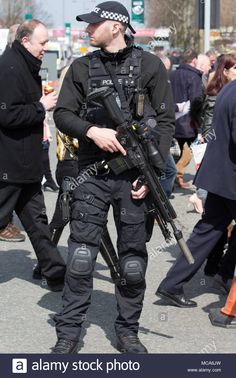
point(65, 347)
point(182, 184)
point(219, 319)
point(178, 300)
point(11, 234)
point(50, 185)
point(37, 273)
point(222, 284)
point(53, 285)
point(130, 344)
point(197, 203)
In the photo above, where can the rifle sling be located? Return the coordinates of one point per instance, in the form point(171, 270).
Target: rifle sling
point(120, 91)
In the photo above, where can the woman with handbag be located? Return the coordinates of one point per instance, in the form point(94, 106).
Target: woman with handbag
point(224, 73)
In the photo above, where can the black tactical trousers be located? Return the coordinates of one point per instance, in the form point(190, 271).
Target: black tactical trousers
point(91, 200)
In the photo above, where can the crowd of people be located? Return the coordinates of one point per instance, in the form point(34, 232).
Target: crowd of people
point(193, 104)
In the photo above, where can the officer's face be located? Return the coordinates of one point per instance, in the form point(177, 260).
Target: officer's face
point(102, 33)
point(37, 43)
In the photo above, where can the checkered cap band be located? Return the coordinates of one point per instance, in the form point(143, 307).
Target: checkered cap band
point(114, 16)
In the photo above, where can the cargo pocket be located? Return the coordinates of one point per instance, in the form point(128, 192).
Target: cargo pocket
point(132, 232)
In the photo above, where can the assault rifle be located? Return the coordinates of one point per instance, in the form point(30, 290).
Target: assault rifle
point(143, 154)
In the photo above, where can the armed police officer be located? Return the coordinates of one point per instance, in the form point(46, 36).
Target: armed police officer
point(132, 73)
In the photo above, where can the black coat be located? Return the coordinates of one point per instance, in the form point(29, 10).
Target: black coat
point(21, 116)
point(218, 169)
point(186, 84)
point(73, 95)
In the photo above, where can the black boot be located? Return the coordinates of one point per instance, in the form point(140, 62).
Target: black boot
point(130, 343)
point(64, 346)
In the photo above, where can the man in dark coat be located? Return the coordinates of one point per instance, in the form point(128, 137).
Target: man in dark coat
point(22, 112)
point(217, 175)
point(11, 233)
point(186, 84)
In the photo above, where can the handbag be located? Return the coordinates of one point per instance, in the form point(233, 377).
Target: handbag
point(198, 150)
point(175, 148)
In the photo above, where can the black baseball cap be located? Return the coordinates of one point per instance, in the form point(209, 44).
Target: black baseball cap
point(109, 10)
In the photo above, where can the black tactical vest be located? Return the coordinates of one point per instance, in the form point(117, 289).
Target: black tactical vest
point(129, 76)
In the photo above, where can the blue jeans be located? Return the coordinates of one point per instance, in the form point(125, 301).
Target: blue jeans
point(168, 178)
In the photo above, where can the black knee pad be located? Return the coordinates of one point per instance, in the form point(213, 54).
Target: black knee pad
point(81, 262)
point(133, 272)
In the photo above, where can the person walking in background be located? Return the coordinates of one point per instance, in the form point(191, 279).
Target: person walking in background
point(11, 233)
point(186, 84)
point(204, 65)
point(202, 120)
point(224, 73)
point(21, 133)
point(168, 178)
point(212, 55)
point(217, 175)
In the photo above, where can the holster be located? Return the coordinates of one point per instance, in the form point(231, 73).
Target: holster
point(67, 187)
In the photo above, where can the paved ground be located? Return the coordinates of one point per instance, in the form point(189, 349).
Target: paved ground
point(26, 309)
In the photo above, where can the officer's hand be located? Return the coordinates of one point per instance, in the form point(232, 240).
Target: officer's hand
point(105, 139)
point(140, 193)
point(49, 101)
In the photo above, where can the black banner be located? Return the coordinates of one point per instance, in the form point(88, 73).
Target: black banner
point(112, 365)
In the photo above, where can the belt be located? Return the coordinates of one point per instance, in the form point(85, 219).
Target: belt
point(117, 165)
